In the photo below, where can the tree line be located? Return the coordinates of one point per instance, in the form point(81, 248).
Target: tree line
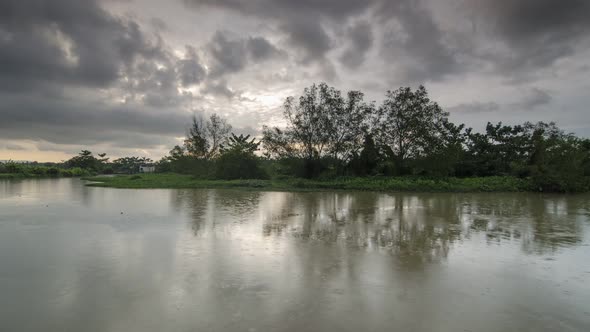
point(330, 134)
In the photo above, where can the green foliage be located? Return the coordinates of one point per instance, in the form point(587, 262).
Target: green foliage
point(204, 138)
point(85, 160)
point(238, 161)
point(236, 164)
point(321, 123)
point(410, 125)
point(16, 170)
point(240, 143)
point(129, 165)
point(338, 141)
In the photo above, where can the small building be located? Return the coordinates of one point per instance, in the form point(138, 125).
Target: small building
point(147, 168)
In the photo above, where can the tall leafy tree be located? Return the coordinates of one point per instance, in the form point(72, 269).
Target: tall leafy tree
point(349, 122)
point(409, 124)
point(320, 123)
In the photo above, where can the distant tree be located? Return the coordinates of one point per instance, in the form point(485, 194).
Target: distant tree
point(130, 165)
point(85, 160)
point(237, 159)
point(218, 130)
point(196, 143)
point(177, 152)
point(205, 137)
point(240, 143)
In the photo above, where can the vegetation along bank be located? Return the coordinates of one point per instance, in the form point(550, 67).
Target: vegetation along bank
point(335, 140)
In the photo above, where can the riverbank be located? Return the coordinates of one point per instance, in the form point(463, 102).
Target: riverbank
point(487, 184)
point(24, 171)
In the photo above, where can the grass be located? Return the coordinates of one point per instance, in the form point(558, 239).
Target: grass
point(487, 184)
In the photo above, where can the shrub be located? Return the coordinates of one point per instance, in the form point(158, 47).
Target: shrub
point(234, 164)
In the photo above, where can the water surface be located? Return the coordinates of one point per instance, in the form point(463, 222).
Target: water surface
point(75, 258)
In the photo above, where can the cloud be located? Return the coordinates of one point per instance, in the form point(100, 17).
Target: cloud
point(231, 54)
point(66, 121)
point(300, 21)
point(14, 147)
point(474, 107)
point(261, 49)
point(218, 88)
point(66, 42)
point(117, 74)
point(534, 98)
point(529, 34)
point(361, 41)
point(415, 42)
point(529, 100)
point(189, 69)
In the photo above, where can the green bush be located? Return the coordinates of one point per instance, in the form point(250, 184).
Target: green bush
point(234, 164)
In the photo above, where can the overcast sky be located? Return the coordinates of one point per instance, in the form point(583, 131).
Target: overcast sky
point(125, 76)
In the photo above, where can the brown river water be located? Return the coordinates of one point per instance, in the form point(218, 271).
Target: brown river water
point(76, 258)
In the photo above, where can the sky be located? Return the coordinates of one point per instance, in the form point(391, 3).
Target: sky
point(124, 77)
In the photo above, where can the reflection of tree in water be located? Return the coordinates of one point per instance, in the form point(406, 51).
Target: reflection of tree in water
point(409, 226)
point(542, 224)
point(207, 207)
point(422, 227)
point(556, 223)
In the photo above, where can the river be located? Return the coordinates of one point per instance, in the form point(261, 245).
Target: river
point(76, 258)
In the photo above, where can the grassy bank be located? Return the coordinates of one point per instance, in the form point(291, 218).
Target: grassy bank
point(487, 184)
point(25, 171)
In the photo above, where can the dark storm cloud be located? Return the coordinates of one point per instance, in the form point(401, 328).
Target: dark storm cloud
point(530, 20)
point(261, 49)
point(66, 42)
point(419, 46)
point(537, 32)
point(361, 40)
point(65, 121)
point(189, 69)
point(534, 33)
point(229, 54)
point(232, 55)
point(301, 21)
point(307, 33)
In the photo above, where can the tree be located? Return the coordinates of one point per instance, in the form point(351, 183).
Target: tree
point(348, 125)
point(205, 137)
point(320, 123)
point(240, 143)
point(87, 161)
point(130, 165)
point(408, 124)
point(218, 130)
point(366, 163)
point(196, 143)
point(237, 159)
